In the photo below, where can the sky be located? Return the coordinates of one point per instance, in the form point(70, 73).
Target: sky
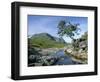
point(48, 24)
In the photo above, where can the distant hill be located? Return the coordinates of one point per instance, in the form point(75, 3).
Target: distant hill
point(45, 40)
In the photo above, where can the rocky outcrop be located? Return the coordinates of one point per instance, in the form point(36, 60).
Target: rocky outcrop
point(43, 60)
point(79, 49)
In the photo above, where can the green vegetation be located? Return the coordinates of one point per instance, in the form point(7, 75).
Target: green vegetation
point(44, 40)
point(81, 43)
point(43, 47)
point(79, 52)
point(68, 29)
point(78, 48)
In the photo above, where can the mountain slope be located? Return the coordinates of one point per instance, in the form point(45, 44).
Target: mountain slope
point(45, 40)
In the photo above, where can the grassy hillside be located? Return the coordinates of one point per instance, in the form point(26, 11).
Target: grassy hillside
point(44, 40)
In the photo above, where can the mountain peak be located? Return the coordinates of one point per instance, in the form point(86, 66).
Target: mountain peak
point(48, 36)
point(45, 40)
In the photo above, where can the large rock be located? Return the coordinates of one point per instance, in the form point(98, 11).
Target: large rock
point(83, 44)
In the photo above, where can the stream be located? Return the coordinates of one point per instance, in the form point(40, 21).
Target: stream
point(64, 59)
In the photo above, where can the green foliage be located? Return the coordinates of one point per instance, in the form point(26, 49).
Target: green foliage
point(31, 49)
point(81, 43)
point(67, 29)
point(85, 36)
point(45, 42)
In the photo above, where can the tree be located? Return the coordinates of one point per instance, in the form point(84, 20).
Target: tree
point(68, 29)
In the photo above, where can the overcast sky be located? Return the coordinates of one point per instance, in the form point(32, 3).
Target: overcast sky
point(48, 24)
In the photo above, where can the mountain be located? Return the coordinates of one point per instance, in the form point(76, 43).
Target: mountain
point(45, 40)
point(48, 36)
point(59, 40)
point(43, 35)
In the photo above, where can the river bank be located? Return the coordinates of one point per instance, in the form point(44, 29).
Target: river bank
point(79, 56)
point(52, 56)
